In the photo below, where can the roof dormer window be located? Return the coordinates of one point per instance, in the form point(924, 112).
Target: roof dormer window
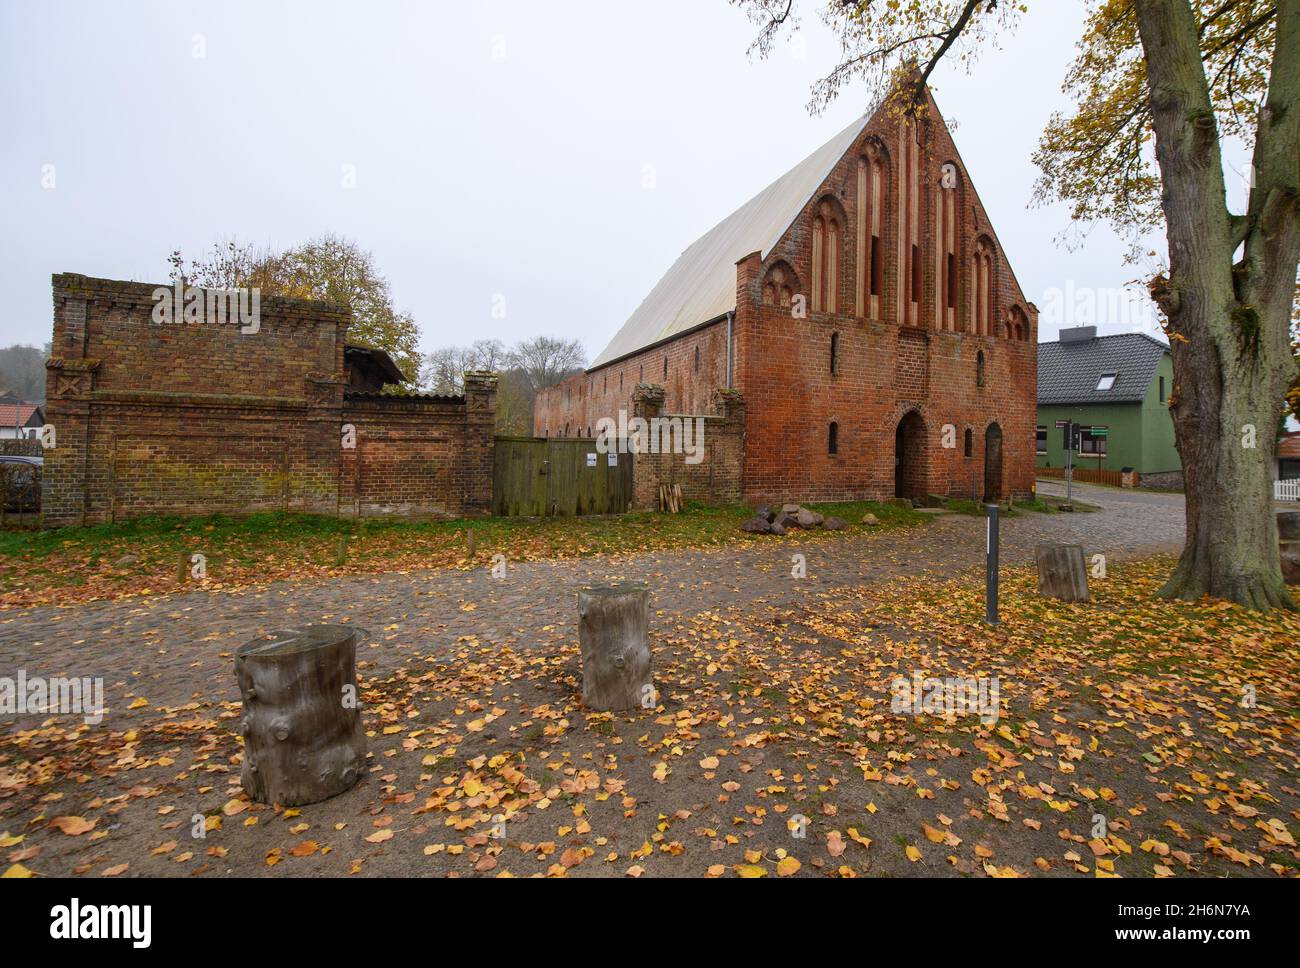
point(1107, 381)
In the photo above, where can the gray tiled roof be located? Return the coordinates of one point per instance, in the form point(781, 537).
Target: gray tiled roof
point(1068, 372)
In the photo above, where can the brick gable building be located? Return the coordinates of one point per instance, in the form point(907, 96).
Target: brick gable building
point(863, 308)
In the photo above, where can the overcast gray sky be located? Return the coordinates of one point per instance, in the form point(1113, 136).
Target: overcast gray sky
point(560, 155)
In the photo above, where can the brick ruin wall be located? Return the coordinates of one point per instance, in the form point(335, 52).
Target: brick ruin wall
point(197, 418)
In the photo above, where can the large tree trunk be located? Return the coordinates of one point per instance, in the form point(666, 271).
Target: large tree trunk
point(1228, 323)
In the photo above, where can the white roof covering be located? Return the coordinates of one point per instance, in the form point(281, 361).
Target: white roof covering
point(701, 284)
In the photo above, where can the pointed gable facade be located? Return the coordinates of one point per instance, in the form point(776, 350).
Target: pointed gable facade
point(863, 309)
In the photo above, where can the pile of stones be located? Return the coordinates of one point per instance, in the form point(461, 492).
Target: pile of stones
point(779, 520)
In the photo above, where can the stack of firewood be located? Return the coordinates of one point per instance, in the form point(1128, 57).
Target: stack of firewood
point(670, 498)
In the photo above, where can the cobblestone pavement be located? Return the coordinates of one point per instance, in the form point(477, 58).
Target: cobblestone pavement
point(1109, 497)
point(172, 648)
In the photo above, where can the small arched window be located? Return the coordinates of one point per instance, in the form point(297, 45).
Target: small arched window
point(1019, 325)
point(833, 438)
point(835, 353)
point(979, 368)
point(969, 444)
point(697, 359)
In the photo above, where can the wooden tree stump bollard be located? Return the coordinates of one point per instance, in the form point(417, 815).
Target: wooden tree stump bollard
point(616, 664)
point(1061, 572)
point(303, 740)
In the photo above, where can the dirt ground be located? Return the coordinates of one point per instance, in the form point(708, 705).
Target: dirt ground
point(1133, 737)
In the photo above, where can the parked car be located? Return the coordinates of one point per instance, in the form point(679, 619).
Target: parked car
point(20, 482)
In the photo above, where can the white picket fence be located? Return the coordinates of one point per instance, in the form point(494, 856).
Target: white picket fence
point(1286, 490)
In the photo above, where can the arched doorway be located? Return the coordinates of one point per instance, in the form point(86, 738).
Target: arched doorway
point(909, 457)
point(993, 463)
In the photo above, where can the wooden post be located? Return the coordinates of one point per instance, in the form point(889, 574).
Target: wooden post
point(469, 542)
point(1061, 572)
point(616, 663)
point(183, 568)
point(1288, 540)
point(303, 740)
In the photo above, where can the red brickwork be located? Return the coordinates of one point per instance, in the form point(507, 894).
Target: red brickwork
point(195, 418)
point(958, 371)
point(696, 366)
point(715, 480)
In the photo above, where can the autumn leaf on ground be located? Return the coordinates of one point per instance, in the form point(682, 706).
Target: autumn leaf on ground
point(72, 826)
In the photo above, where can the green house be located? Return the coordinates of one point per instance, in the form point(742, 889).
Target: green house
point(1117, 389)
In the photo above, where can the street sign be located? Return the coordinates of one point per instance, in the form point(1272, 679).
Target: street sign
point(1100, 431)
point(1062, 424)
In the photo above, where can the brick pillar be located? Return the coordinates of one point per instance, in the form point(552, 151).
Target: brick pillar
point(480, 441)
point(730, 405)
point(322, 486)
point(648, 400)
point(744, 325)
point(322, 438)
point(69, 379)
point(648, 470)
point(63, 478)
point(726, 454)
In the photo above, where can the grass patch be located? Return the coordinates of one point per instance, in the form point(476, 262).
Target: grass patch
point(143, 555)
point(1040, 504)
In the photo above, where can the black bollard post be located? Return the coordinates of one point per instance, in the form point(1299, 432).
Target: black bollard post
point(991, 566)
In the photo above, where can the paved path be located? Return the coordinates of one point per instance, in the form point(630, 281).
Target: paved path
point(1112, 497)
point(172, 648)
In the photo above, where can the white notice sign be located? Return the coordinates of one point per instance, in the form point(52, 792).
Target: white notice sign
point(591, 460)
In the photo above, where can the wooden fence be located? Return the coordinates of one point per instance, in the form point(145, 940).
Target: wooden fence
point(1286, 490)
point(558, 476)
point(1089, 475)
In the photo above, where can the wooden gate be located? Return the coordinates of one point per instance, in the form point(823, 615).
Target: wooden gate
point(564, 476)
